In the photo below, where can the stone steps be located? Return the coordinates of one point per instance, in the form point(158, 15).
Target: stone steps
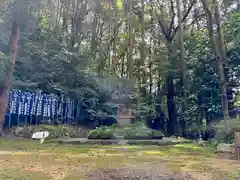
point(119, 137)
point(119, 133)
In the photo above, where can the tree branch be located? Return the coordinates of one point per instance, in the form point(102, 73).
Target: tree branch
point(163, 29)
point(183, 19)
point(172, 21)
point(160, 23)
point(194, 20)
point(105, 52)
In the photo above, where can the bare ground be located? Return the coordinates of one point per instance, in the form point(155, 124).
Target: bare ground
point(137, 174)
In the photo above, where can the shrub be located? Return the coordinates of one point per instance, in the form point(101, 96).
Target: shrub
point(224, 136)
point(138, 132)
point(57, 131)
point(24, 132)
point(157, 134)
point(102, 133)
point(141, 132)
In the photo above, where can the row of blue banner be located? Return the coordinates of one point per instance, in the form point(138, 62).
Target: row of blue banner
point(31, 103)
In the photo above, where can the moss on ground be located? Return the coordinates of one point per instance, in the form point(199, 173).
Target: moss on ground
point(30, 160)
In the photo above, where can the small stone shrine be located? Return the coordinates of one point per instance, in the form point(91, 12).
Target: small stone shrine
point(124, 113)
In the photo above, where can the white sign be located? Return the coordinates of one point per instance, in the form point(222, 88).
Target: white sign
point(40, 135)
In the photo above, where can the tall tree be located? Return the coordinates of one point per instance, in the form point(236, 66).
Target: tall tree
point(182, 62)
point(169, 31)
point(218, 47)
point(13, 44)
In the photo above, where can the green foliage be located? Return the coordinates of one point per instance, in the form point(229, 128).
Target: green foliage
point(60, 54)
point(203, 76)
point(102, 133)
point(119, 4)
point(4, 64)
point(134, 132)
point(232, 29)
point(141, 132)
point(237, 100)
point(57, 131)
point(224, 136)
point(48, 65)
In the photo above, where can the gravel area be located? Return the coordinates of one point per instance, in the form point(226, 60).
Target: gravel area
point(136, 174)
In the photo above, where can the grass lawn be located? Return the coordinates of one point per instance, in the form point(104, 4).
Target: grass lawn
point(30, 160)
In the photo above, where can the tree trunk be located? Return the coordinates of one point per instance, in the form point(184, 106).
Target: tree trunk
point(183, 68)
point(123, 65)
point(142, 53)
point(14, 39)
point(94, 29)
point(218, 53)
point(181, 47)
point(158, 108)
point(223, 51)
point(130, 38)
point(172, 113)
point(171, 106)
point(114, 56)
point(221, 43)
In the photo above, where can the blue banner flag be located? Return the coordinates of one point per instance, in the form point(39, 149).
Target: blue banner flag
point(53, 106)
point(40, 105)
point(23, 99)
point(33, 108)
point(32, 103)
point(15, 102)
point(45, 105)
point(60, 107)
point(28, 103)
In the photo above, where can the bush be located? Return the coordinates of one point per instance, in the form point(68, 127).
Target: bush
point(102, 133)
point(157, 134)
point(224, 136)
point(24, 132)
point(137, 132)
point(57, 131)
point(141, 132)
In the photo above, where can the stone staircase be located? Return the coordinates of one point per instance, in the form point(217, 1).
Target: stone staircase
point(119, 133)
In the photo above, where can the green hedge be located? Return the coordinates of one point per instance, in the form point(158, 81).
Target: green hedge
point(102, 133)
point(141, 133)
point(132, 132)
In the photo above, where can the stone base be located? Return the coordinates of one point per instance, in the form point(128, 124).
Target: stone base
point(124, 121)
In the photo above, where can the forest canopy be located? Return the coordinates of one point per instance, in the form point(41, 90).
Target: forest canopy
point(178, 60)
